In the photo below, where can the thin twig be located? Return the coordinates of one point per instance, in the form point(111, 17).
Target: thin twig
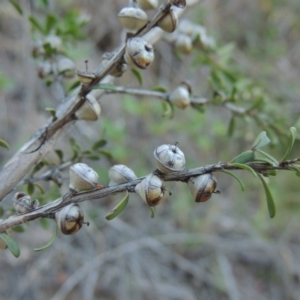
point(49, 208)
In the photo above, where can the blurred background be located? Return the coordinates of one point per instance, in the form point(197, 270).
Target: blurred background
point(226, 248)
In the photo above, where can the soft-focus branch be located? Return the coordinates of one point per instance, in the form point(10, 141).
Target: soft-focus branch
point(182, 176)
point(22, 162)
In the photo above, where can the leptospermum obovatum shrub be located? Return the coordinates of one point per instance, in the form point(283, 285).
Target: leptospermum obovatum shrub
point(52, 37)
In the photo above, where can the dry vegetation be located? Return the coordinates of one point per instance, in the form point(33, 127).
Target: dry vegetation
point(227, 248)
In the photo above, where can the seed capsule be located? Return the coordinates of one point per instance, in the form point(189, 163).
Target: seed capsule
point(70, 219)
point(169, 22)
point(151, 189)
point(90, 110)
point(82, 178)
point(139, 53)
point(120, 174)
point(202, 186)
point(132, 19)
point(169, 158)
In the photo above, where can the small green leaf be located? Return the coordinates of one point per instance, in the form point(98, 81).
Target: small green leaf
point(245, 167)
point(42, 191)
point(30, 188)
point(51, 21)
point(17, 6)
point(34, 22)
point(45, 222)
point(4, 144)
point(11, 244)
point(137, 73)
point(199, 107)
point(1, 211)
point(104, 86)
point(244, 157)
point(152, 209)
point(18, 228)
point(119, 208)
point(52, 112)
point(38, 167)
point(295, 169)
point(272, 160)
point(93, 157)
point(261, 141)
point(231, 127)
point(99, 144)
point(60, 154)
point(74, 85)
point(293, 133)
point(258, 104)
point(168, 109)
point(49, 243)
point(160, 88)
point(236, 177)
point(270, 201)
point(105, 153)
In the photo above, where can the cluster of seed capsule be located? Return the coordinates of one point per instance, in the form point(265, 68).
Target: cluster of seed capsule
point(169, 158)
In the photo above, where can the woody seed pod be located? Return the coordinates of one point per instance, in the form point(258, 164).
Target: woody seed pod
point(139, 53)
point(120, 174)
point(118, 70)
point(181, 96)
point(22, 203)
point(202, 186)
point(147, 4)
point(85, 77)
point(70, 219)
point(90, 109)
point(66, 67)
point(184, 44)
point(132, 19)
point(169, 22)
point(169, 158)
point(151, 189)
point(82, 178)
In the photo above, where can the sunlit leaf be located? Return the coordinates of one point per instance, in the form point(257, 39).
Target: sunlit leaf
point(245, 167)
point(270, 200)
point(119, 208)
point(11, 244)
point(244, 157)
point(261, 141)
point(4, 144)
point(137, 73)
point(49, 243)
point(293, 133)
point(272, 160)
point(236, 177)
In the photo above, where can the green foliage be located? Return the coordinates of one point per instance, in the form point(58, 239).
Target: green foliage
point(118, 208)
point(49, 243)
point(11, 244)
point(4, 144)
